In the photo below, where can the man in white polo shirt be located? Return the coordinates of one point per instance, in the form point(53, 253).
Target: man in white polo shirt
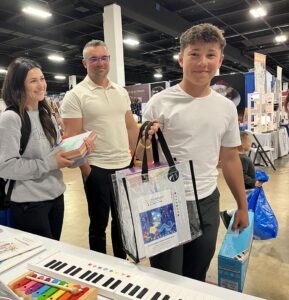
point(98, 104)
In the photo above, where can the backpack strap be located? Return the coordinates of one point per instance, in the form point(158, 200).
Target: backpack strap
point(25, 134)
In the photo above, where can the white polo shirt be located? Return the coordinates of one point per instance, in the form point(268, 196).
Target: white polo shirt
point(102, 110)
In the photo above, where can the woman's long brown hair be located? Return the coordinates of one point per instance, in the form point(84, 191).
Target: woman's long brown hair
point(13, 94)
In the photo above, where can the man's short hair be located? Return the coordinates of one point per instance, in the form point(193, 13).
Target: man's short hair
point(206, 33)
point(93, 43)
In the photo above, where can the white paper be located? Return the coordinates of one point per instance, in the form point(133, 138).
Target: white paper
point(16, 245)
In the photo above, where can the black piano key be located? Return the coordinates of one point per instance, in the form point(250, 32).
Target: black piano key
point(109, 281)
point(61, 267)
point(126, 288)
point(166, 297)
point(91, 276)
point(115, 284)
point(69, 269)
point(142, 293)
point(156, 296)
point(50, 263)
point(84, 274)
point(97, 278)
point(55, 265)
point(75, 271)
point(134, 290)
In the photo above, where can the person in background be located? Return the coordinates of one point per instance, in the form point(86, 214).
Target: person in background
point(200, 125)
point(99, 104)
point(248, 173)
point(286, 103)
point(37, 203)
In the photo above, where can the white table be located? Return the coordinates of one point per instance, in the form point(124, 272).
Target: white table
point(209, 291)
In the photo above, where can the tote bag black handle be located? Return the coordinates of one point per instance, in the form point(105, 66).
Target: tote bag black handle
point(173, 173)
point(142, 128)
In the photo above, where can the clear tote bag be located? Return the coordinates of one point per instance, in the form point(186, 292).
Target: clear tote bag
point(157, 205)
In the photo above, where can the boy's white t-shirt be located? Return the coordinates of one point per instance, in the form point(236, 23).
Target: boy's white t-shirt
point(195, 129)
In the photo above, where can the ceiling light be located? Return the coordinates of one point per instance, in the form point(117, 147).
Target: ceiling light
point(258, 12)
point(3, 71)
point(131, 42)
point(158, 75)
point(55, 57)
point(38, 12)
point(176, 56)
point(280, 38)
point(59, 77)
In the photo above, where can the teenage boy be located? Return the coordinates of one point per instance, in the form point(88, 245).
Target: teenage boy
point(202, 125)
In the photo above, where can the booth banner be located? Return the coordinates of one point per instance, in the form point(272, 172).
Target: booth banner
point(260, 72)
point(157, 87)
point(231, 86)
point(141, 93)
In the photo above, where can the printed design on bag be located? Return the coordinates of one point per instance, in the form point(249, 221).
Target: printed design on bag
point(173, 174)
point(158, 223)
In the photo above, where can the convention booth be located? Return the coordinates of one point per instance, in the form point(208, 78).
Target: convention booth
point(265, 116)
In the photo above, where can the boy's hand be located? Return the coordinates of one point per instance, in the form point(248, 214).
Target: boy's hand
point(153, 130)
point(241, 220)
point(258, 183)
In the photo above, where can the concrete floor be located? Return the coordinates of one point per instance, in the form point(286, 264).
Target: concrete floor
point(268, 271)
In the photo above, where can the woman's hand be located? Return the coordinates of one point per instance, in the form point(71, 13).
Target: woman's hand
point(62, 161)
point(90, 145)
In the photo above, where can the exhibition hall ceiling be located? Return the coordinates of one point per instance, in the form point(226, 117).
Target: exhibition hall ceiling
point(156, 24)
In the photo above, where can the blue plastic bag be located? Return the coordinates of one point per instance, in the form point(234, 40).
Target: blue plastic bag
point(261, 175)
point(265, 222)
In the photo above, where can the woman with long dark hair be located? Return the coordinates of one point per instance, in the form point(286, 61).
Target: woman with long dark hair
point(37, 203)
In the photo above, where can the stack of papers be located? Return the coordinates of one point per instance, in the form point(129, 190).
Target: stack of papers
point(17, 249)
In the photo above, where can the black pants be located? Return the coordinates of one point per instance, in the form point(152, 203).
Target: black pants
point(193, 259)
point(43, 218)
point(198, 253)
point(100, 199)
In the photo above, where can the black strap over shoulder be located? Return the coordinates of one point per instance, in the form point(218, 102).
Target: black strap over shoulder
point(25, 128)
point(25, 134)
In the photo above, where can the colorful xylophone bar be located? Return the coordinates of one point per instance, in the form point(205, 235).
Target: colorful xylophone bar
point(32, 286)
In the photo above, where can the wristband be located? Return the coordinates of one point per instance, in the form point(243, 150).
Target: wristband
point(144, 146)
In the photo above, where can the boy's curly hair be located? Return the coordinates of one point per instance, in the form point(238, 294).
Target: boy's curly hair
point(205, 32)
